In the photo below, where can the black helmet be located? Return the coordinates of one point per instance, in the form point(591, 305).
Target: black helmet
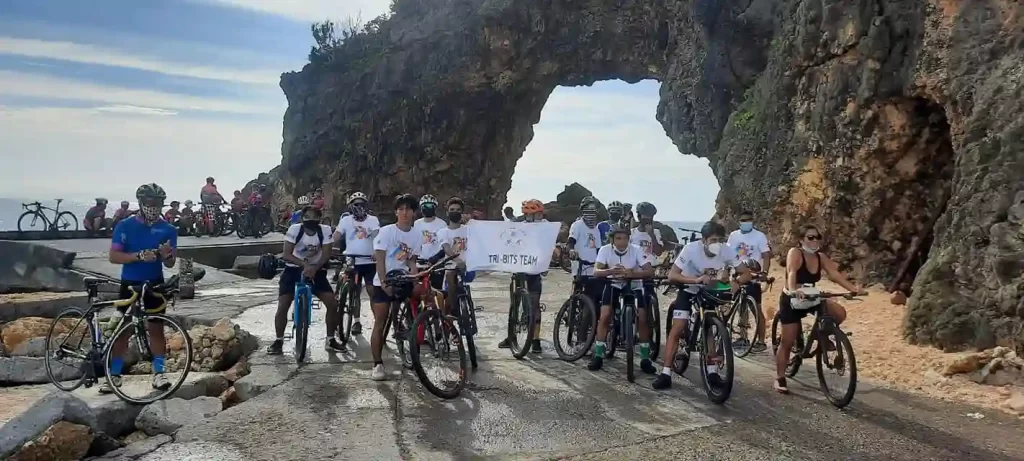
point(646, 209)
point(588, 201)
point(150, 191)
point(711, 228)
point(401, 290)
point(267, 267)
point(752, 264)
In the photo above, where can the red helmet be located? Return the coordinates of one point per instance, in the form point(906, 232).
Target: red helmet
point(532, 206)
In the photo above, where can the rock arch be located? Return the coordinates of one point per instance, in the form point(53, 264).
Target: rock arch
point(894, 124)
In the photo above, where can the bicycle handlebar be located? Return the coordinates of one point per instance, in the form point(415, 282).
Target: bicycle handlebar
point(405, 278)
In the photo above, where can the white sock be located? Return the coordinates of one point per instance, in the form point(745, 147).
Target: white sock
point(712, 368)
point(666, 371)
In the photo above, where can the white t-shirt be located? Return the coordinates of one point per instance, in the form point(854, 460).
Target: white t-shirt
point(359, 236)
point(694, 262)
point(632, 259)
point(749, 245)
point(588, 242)
point(307, 247)
point(456, 238)
point(429, 244)
point(398, 248)
point(643, 240)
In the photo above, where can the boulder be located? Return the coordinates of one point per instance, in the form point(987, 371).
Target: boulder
point(897, 298)
point(32, 370)
point(237, 371)
point(63, 441)
point(215, 348)
point(230, 398)
point(1015, 402)
point(167, 416)
point(14, 333)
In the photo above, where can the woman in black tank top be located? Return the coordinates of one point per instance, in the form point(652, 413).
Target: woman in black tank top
point(804, 266)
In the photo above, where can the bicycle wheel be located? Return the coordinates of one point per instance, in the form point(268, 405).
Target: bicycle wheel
point(844, 356)
point(743, 326)
point(242, 226)
point(654, 324)
point(443, 343)
point(576, 318)
point(520, 324)
point(467, 318)
point(342, 294)
point(66, 221)
point(34, 222)
point(301, 326)
point(75, 344)
point(795, 359)
point(718, 390)
point(405, 335)
point(612, 340)
point(177, 342)
point(629, 331)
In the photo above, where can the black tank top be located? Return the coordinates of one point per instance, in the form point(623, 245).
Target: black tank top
point(803, 275)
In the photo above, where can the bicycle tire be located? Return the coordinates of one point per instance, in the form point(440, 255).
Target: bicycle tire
point(612, 340)
point(524, 308)
point(405, 346)
point(72, 219)
point(427, 320)
point(301, 327)
point(241, 226)
point(654, 324)
point(629, 331)
point(795, 360)
point(51, 341)
point(571, 315)
point(46, 222)
point(723, 394)
point(843, 342)
point(466, 309)
point(745, 304)
point(342, 295)
point(187, 354)
point(681, 361)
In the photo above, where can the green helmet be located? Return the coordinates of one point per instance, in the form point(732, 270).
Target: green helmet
point(150, 191)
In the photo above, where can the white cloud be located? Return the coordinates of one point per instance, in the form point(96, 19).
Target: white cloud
point(126, 109)
point(313, 10)
point(42, 86)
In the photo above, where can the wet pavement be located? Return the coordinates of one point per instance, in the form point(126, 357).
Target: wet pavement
point(543, 408)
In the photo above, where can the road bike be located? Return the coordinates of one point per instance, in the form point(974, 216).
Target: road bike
point(349, 286)
point(95, 350)
point(62, 220)
point(824, 328)
point(576, 320)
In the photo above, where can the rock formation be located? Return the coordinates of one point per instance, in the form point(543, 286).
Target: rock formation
point(892, 124)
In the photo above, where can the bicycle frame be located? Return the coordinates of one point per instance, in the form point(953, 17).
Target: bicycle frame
point(302, 313)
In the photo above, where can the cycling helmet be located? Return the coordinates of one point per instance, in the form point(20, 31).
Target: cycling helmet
point(588, 201)
point(101, 201)
point(532, 206)
point(174, 203)
point(615, 205)
point(646, 209)
point(188, 203)
point(150, 191)
point(428, 200)
point(357, 196)
point(304, 201)
point(124, 204)
point(752, 264)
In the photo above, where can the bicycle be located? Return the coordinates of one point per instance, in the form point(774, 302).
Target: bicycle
point(811, 346)
point(349, 287)
point(624, 327)
point(251, 224)
point(740, 310)
point(521, 316)
point(576, 315)
point(62, 220)
point(407, 309)
point(704, 317)
point(227, 221)
point(100, 349)
point(208, 214)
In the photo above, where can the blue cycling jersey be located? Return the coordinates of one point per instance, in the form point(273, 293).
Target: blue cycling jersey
point(132, 235)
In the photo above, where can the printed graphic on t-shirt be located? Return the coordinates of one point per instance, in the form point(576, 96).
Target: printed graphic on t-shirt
point(743, 250)
point(401, 252)
point(429, 238)
point(308, 249)
point(360, 233)
point(591, 241)
point(459, 244)
point(646, 248)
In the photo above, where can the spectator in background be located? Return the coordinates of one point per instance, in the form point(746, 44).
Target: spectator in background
point(121, 213)
point(238, 202)
point(318, 199)
point(173, 213)
point(510, 214)
point(96, 216)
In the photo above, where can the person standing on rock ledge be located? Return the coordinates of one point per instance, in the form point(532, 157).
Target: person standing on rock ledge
point(355, 234)
point(750, 243)
point(140, 245)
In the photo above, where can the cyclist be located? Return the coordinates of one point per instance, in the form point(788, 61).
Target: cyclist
point(318, 198)
point(355, 234)
point(173, 213)
point(751, 243)
point(141, 244)
point(615, 215)
point(533, 211)
point(621, 259)
point(96, 215)
point(509, 214)
point(698, 263)
point(584, 242)
point(302, 202)
point(237, 202)
point(803, 270)
point(427, 227)
point(122, 213)
point(210, 199)
point(648, 238)
point(187, 218)
point(305, 255)
point(453, 241)
point(395, 249)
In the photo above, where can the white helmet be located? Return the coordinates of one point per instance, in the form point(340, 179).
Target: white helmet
point(304, 201)
point(428, 199)
point(357, 196)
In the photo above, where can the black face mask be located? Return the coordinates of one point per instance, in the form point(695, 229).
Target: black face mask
point(429, 212)
point(614, 216)
point(455, 216)
point(646, 221)
point(310, 224)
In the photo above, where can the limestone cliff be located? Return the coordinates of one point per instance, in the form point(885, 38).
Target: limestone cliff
point(894, 125)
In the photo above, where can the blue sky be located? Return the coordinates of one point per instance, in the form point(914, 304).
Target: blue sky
point(96, 97)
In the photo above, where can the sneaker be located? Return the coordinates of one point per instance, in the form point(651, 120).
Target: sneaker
point(536, 347)
point(378, 372)
point(160, 382)
point(780, 386)
point(759, 347)
point(663, 381)
point(332, 345)
point(647, 367)
point(505, 344)
point(357, 329)
point(276, 347)
point(105, 387)
point(595, 363)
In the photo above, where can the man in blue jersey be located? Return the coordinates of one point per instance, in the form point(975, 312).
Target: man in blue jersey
point(143, 245)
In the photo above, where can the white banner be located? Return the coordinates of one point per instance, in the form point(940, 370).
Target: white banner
point(506, 246)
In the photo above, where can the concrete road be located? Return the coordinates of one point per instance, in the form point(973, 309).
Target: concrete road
point(543, 408)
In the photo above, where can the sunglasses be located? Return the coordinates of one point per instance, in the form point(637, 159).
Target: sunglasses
point(812, 237)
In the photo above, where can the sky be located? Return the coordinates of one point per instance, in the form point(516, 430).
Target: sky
point(98, 97)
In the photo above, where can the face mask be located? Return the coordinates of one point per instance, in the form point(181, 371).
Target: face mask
point(713, 248)
point(150, 213)
point(358, 210)
point(614, 216)
point(646, 221)
point(746, 226)
point(429, 212)
point(310, 224)
point(809, 250)
point(454, 216)
point(589, 217)
point(620, 252)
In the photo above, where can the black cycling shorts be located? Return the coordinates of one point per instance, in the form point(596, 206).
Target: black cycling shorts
point(366, 272)
point(152, 302)
point(611, 297)
point(291, 275)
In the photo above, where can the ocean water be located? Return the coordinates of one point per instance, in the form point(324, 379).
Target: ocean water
point(679, 227)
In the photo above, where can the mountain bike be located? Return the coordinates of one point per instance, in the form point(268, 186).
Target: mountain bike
point(704, 325)
point(823, 328)
point(522, 315)
point(624, 327)
point(578, 317)
point(62, 220)
point(95, 350)
point(349, 287)
point(404, 312)
point(251, 224)
point(465, 311)
point(737, 315)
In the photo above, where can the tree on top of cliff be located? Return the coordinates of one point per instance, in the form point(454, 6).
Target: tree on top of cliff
point(330, 37)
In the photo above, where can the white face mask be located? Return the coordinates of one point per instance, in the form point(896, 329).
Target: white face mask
point(809, 249)
point(713, 248)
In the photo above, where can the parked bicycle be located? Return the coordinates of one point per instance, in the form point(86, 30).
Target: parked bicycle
point(404, 312)
point(624, 327)
point(576, 320)
point(741, 316)
point(823, 338)
point(349, 289)
point(34, 214)
point(522, 316)
point(251, 225)
point(78, 335)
